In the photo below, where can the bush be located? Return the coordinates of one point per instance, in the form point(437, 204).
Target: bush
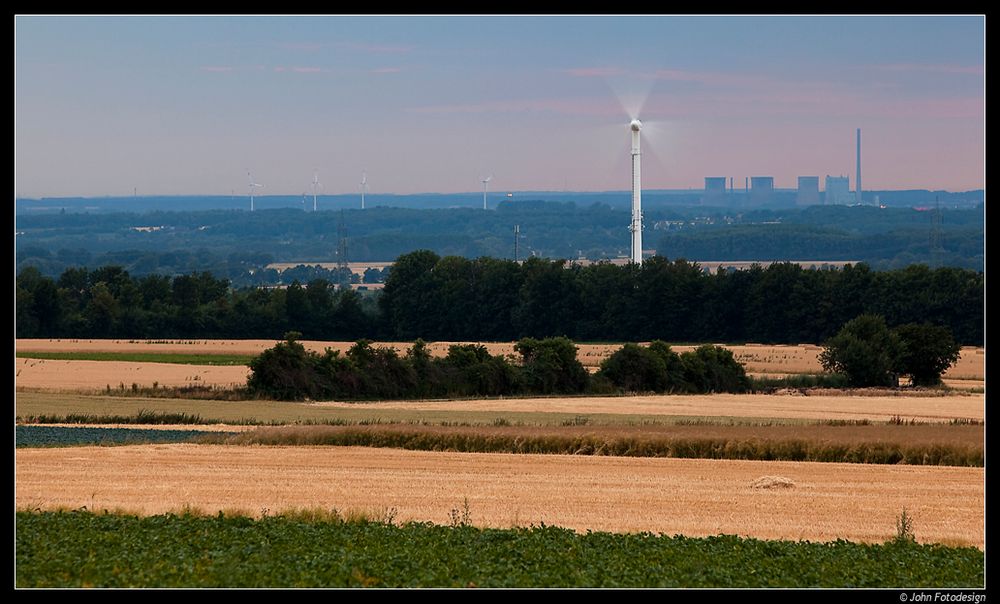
point(927, 352)
point(635, 369)
point(866, 351)
point(711, 368)
point(285, 372)
point(655, 368)
point(550, 366)
point(474, 371)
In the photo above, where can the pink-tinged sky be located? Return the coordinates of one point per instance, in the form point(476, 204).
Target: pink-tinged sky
point(171, 106)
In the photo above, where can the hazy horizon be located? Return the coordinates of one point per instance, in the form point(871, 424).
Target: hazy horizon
point(182, 106)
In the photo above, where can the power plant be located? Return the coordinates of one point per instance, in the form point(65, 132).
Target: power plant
point(760, 190)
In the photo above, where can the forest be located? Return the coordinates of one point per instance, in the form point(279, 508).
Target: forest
point(237, 245)
point(452, 298)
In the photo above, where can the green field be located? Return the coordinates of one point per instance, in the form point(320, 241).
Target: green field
point(84, 549)
point(142, 357)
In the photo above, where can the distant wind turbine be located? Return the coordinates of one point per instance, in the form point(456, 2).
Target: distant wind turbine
point(486, 184)
point(251, 187)
point(364, 187)
point(315, 185)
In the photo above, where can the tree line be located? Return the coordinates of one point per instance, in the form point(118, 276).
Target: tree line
point(548, 366)
point(488, 299)
point(455, 298)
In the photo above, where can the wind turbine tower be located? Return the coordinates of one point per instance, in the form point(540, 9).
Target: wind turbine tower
point(315, 184)
point(636, 226)
point(364, 187)
point(486, 184)
point(252, 185)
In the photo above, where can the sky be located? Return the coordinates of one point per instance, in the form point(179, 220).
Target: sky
point(189, 105)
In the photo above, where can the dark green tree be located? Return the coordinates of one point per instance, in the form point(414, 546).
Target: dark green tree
point(866, 351)
point(286, 371)
point(634, 368)
point(927, 352)
point(550, 366)
point(711, 368)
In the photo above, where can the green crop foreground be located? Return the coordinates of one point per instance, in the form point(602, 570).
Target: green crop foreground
point(74, 549)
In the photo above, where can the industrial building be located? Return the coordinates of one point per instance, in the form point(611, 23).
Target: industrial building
point(838, 190)
point(761, 189)
point(808, 192)
point(715, 191)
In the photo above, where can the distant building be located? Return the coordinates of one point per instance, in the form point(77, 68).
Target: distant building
point(808, 194)
point(715, 191)
point(761, 189)
point(838, 190)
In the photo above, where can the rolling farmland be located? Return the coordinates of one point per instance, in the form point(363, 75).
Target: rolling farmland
point(630, 476)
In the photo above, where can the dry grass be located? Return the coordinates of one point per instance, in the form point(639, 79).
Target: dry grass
point(933, 444)
point(633, 409)
point(938, 434)
point(672, 496)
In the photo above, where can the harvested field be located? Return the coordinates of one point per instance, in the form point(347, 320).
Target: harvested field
point(789, 408)
point(925, 408)
point(757, 358)
point(634, 409)
point(673, 496)
point(89, 376)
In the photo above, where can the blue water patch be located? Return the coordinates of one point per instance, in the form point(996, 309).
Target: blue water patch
point(63, 436)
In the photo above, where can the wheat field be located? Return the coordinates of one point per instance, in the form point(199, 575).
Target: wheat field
point(818, 502)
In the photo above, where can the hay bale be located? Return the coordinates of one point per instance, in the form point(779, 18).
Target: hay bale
point(772, 482)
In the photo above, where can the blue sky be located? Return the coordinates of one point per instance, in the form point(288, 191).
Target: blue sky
point(187, 105)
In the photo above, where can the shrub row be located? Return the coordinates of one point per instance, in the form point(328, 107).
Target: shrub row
point(549, 366)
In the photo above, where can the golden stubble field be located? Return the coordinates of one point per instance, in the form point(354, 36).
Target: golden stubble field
point(969, 372)
point(89, 376)
point(787, 406)
point(693, 497)
point(618, 410)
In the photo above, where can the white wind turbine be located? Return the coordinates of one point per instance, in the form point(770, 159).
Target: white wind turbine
point(315, 184)
point(636, 226)
point(364, 187)
point(251, 187)
point(486, 184)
